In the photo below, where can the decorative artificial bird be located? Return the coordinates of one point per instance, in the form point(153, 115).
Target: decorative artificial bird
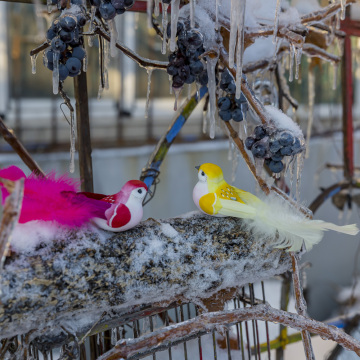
point(273, 218)
point(56, 199)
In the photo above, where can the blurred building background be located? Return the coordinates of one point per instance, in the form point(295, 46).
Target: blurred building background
point(123, 139)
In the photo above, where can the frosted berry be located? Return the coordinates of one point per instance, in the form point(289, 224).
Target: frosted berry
point(237, 115)
point(249, 142)
point(224, 103)
point(286, 138)
point(275, 146)
point(67, 23)
point(107, 11)
point(258, 150)
point(276, 166)
point(78, 52)
point(58, 45)
point(286, 150)
point(73, 65)
point(63, 72)
point(259, 132)
point(225, 115)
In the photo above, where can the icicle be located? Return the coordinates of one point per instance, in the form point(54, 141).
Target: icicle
point(85, 62)
point(149, 13)
point(113, 336)
point(291, 64)
point(217, 15)
point(276, 21)
point(55, 77)
point(177, 92)
point(292, 172)
point(164, 26)
point(197, 89)
point(242, 130)
point(157, 8)
point(192, 13)
point(335, 73)
point(100, 92)
point(33, 62)
point(240, 49)
point(211, 64)
point(299, 168)
point(49, 6)
point(204, 121)
point(106, 60)
point(341, 214)
point(235, 164)
point(189, 92)
point(72, 142)
point(343, 7)
point(234, 16)
point(175, 4)
point(149, 73)
point(113, 37)
point(91, 27)
point(259, 165)
point(170, 82)
point(311, 94)
point(298, 53)
point(146, 325)
point(231, 149)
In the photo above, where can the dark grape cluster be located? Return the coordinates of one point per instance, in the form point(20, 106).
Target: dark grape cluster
point(273, 145)
point(64, 38)
point(230, 107)
point(184, 64)
point(108, 9)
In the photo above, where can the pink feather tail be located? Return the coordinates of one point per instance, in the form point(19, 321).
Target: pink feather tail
point(52, 198)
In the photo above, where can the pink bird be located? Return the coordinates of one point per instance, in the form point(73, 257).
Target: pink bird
point(57, 199)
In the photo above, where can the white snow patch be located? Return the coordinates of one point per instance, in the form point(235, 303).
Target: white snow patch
point(168, 230)
point(262, 48)
point(282, 121)
point(306, 6)
point(290, 16)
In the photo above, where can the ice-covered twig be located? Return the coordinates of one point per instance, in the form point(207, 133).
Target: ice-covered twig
point(15, 143)
point(301, 306)
point(143, 62)
point(316, 51)
point(283, 87)
point(10, 215)
point(39, 48)
point(323, 13)
point(205, 323)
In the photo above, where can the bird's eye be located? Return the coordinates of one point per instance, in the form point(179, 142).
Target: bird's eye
point(140, 191)
point(202, 173)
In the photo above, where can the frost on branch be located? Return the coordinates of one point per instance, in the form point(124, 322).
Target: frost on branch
point(71, 280)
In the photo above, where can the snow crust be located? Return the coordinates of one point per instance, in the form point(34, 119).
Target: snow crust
point(282, 121)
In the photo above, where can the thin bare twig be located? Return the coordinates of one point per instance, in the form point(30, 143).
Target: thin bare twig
point(205, 323)
point(316, 51)
point(145, 63)
point(18, 147)
point(41, 47)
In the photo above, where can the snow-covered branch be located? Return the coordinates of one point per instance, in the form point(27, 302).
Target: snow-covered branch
point(70, 278)
point(205, 323)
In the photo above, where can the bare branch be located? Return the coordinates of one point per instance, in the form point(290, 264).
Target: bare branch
point(145, 63)
point(316, 51)
point(18, 147)
point(205, 323)
point(41, 47)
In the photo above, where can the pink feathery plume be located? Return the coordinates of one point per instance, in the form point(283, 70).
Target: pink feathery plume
point(53, 199)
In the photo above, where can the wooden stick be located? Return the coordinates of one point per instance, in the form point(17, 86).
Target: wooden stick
point(18, 147)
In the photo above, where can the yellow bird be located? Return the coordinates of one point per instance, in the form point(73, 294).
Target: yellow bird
point(273, 218)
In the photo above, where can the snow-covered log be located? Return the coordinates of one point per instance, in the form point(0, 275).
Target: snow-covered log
point(70, 278)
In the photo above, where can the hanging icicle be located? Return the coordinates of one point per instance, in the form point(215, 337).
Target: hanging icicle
point(291, 62)
point(170, 83)
point(157, 8)
point(55, 74)
point(164, 26)
point(149, 11)
point(299, 168)
point(192, 13)
point(311, 95)
point(106, 64)
point(177, 92)
point(175, 4)
point(211, 64)
point(204, 121)
point(276, 21)
point(217, 15)
point(298, 53)
point(85, 62)
point(149, 73)
point(335, 75)
point(113, 37)
point(49, 6)
point(33, 63)
point(343, 9)
point(72, 142)
point(234, 17)
point(240, 49)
